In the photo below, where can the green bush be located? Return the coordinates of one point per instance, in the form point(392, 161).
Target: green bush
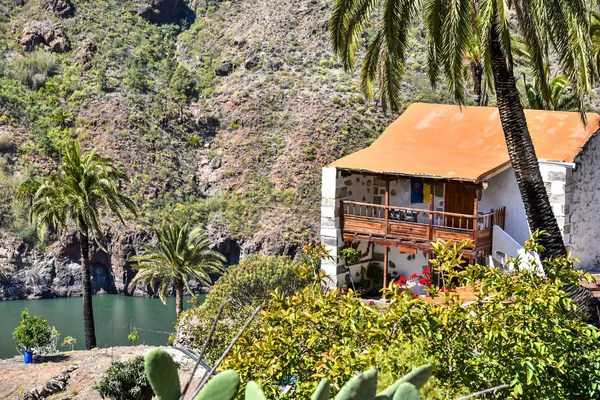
point(183, 84)
point(6, 142)
point(521, 330)
point(124, 381)
point(35, 69)
point(246, 285)
point(33, 333)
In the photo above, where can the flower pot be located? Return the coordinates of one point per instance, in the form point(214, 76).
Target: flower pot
point(28, 357)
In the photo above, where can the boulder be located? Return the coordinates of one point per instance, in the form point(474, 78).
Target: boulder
point(47, 34)
point(224, 68)
point(59, 45)
point(30, 37)
point(86, 51)
point(215, 162)
point(252, 62)
point(164, 11)
point(62, 8)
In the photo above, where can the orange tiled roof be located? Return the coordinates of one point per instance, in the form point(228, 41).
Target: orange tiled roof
point(445, 141)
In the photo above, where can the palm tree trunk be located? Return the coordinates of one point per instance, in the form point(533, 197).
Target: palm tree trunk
point(477, 71)
point(179, 296)
point(522, 153)
point(527, 172)
point(88, 310)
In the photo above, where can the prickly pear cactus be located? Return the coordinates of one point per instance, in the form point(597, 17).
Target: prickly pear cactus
point(224, 386)
point(161, 371)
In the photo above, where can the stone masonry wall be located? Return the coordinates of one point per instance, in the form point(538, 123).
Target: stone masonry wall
point(582, 225)
point(331, 236)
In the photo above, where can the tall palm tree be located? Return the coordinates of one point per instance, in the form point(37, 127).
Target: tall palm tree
point(449, 32)
point(179, 255)
point(562, 25)
point(84, 185)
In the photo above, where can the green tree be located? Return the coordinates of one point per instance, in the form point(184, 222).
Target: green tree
point(183, 84)
point(27, 189)
point(32, 332)
point(450, 30)
point(179, 255)
point(84, 185)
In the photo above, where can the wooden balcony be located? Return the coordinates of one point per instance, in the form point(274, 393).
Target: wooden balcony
point(411, 229)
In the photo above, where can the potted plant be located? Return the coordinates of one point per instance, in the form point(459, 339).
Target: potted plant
point(350, 256)
point(31, 334)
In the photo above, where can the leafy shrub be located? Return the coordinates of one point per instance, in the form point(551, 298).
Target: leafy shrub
point(6, 142)
point(375, 275)
point(134, 336)
point(521, 330)
point(35, 69)
point(309, 153)
point(350, 255)
point(69, 341)
point(62, 118)
point(246, 285)
point(33, 333)
point(124, 381)
point(136, 80)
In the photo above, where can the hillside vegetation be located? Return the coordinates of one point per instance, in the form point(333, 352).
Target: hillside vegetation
point(223, 117)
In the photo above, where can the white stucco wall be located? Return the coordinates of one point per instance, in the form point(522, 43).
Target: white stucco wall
point(503, 191)
point(582, 227)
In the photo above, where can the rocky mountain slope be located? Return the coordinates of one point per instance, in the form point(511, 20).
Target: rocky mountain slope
point(222, 114)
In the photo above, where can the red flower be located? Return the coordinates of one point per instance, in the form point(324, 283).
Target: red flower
point(445, 289)
point(414, 276)
point(425, 281)
point(401, 280)
point(414, 295)
point(371, 303)
point(426, 272)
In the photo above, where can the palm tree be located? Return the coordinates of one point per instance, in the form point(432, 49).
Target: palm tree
point(562, 25)
point(595, 35)
point(449, 31)
point(561, 95)
point(179, 255)
point(84, 185)
point(27, 189)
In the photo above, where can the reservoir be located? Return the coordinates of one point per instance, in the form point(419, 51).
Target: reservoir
point(114, 317)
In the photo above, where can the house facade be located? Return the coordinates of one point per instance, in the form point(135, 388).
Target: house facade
point(443, 172)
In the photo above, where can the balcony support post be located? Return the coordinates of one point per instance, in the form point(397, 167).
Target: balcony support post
point(386, 261)
point(475, 223)
point(431, 216)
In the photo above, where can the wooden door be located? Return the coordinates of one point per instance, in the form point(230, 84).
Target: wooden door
point(459, 198)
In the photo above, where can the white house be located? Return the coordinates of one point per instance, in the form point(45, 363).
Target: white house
point(443, 172)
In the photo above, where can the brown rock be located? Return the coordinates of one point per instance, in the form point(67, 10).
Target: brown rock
point(225, 68)
point(62, 8)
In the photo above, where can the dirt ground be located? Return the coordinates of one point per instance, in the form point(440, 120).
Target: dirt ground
point(17, 378)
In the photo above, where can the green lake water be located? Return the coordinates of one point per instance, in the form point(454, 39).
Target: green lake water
point(113, 317)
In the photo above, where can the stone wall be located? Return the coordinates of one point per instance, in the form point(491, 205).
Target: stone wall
point(332, 188)
point(582, 225)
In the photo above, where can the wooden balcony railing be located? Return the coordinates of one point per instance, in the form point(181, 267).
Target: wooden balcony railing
point(411, 224)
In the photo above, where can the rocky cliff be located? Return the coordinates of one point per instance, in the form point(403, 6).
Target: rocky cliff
point(222, 114)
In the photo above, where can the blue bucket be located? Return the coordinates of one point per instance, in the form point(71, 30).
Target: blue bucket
point(28, 357)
